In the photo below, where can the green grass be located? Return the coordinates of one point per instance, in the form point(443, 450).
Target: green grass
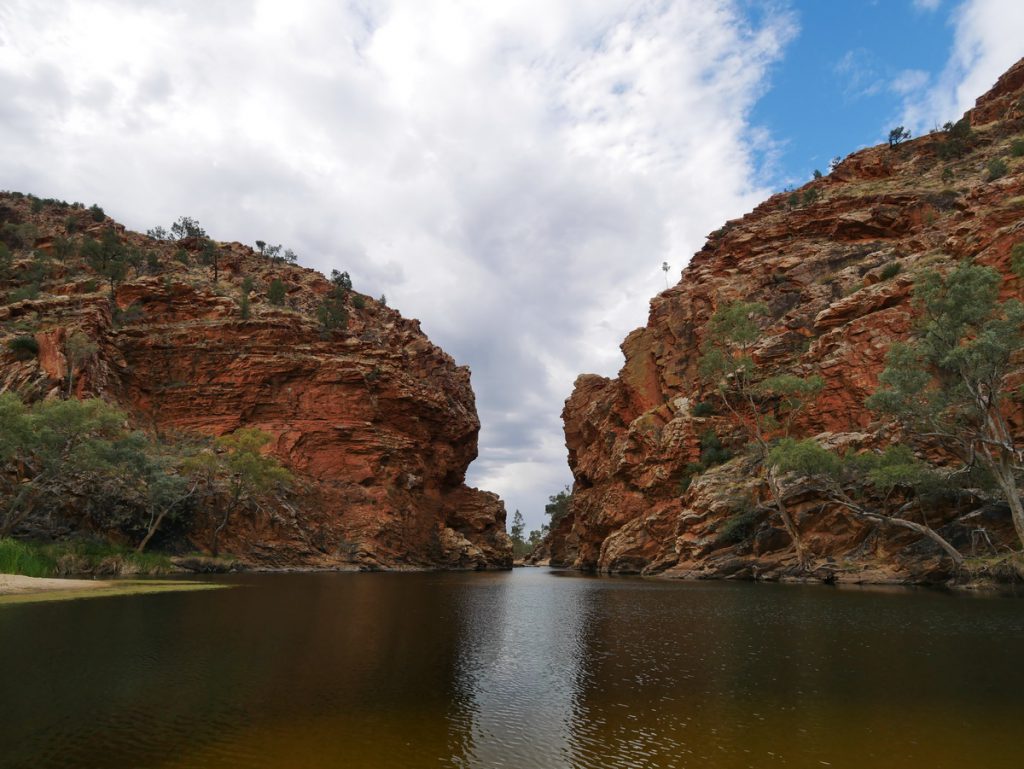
point(22, 558)
point(61, 559)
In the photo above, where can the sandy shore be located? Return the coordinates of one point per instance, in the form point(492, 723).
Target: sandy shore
point(15, 588)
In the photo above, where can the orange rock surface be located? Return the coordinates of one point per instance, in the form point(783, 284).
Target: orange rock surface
point(378, 424)
point(816, 259)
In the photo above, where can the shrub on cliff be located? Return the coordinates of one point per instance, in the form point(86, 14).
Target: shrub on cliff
point(958, 142)
point(108, 257)
point(997, 169)
point(5, 261)
point(891, 270)
point(276, 292)
point(332, 314)
point(24, 347)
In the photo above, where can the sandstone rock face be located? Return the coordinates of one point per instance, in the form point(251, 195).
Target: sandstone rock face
point(818, 259)
point(378, 424)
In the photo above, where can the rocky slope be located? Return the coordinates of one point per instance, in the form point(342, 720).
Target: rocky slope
point(823, 260)
point(378, 424)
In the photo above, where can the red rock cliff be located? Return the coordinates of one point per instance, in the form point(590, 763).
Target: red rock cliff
point(378, 424)
point(816, 259)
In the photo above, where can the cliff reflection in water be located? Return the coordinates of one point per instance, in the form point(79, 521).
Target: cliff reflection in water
point(523, 669)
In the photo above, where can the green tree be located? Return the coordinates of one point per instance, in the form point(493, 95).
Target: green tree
point(211, 256)
point(243, 302)
point(558, 506)
point(843, 480)
point(276, 292)
point(63, 248)
point(5, 262)
point(239, 472)
point(898, 135)
point(78, 349)
point(168, 490)
point(520, 547)
point(332, 312)
point(948, 385)
point(185, 228)
point(64, 447)
point(762, 404)
point(535, 538)
point(107, 257)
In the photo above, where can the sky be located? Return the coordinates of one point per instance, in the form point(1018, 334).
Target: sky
point(513, 174)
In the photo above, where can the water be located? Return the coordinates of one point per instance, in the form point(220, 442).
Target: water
point(524, 669)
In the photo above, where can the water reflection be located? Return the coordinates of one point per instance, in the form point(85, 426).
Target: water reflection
point(529, 669)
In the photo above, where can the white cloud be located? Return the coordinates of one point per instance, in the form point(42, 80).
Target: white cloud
point(986, 41)
point(927, 5)
point(513, 174)
point(909, 81)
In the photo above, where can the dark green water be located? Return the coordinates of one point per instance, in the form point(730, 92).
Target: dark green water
point(523, 669)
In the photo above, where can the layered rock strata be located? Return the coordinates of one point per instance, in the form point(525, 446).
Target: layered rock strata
point(835, 263)
point(378, 424)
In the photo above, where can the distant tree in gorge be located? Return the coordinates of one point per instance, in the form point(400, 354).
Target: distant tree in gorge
point(558, 506)
point(665, 268)
point(261, 246)
point(520, 547)
point(535, 538)
point(518, 527)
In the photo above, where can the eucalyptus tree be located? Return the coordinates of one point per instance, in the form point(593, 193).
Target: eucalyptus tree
point(951, 383)
point(763, 405)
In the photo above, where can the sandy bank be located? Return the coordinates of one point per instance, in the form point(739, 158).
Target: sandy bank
point(15, 588)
